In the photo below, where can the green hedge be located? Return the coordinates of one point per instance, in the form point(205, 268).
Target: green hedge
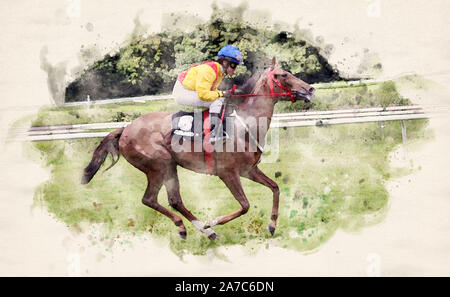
point(150, 64)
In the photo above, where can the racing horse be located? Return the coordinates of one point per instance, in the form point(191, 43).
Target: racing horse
point(146, 144)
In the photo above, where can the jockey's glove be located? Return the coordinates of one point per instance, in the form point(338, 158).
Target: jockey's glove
point(228, 93)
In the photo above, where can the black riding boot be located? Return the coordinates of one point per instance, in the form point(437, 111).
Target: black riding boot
point(217, 132)
point(215, 114)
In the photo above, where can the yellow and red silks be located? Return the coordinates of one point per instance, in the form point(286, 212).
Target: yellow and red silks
point(204, 79)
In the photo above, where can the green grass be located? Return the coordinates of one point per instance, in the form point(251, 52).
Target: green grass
point(116, 112)
point(330, 178)
point(343, 95)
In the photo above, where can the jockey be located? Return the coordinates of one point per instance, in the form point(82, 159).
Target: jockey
point(198, 86)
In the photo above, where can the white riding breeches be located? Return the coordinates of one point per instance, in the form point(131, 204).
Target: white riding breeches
point(188, 97)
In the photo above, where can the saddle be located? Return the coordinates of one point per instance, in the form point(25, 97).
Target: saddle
point(188, 124)
point(191, 125)
point(196, 127)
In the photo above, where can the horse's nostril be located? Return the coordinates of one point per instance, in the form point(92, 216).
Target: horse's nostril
point(312, 90)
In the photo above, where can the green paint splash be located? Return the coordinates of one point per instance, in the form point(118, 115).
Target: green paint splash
point(337, 181)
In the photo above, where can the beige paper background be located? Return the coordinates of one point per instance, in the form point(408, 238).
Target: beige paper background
point(409, 36)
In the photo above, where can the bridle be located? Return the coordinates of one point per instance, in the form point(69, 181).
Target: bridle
point(272, 80)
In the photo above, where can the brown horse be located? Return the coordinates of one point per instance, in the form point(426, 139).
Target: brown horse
point(147, 144)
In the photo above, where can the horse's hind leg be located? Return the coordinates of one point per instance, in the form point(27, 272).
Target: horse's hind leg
point(258, 176)
point(173, 193)
point(155, 181)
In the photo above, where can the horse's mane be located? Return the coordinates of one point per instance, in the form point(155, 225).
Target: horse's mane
point(248, 86)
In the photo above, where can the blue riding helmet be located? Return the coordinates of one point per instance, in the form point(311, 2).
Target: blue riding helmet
point(232, 53)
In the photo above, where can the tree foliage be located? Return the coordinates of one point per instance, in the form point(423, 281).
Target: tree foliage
point(150, 64)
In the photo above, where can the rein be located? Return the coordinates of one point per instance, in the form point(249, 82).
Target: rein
point(272, 80)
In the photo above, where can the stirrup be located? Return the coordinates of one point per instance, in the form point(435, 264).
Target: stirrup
point(214, 139)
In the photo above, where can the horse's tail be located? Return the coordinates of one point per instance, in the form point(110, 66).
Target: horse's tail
point(109, 144)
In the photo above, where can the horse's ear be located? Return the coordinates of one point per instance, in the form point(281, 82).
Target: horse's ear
point(274, 63)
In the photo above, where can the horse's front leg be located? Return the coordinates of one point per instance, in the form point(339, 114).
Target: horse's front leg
point(233, 181)
point(258, 176)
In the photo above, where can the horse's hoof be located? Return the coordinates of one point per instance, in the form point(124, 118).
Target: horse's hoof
point(183, 234)
point(271, 229)
point(213, 236)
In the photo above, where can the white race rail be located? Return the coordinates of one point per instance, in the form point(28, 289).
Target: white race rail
point(296, 119)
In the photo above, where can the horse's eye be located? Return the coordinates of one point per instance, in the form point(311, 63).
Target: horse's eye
point(284, 75)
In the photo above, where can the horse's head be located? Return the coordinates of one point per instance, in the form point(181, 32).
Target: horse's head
point(280, 81)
